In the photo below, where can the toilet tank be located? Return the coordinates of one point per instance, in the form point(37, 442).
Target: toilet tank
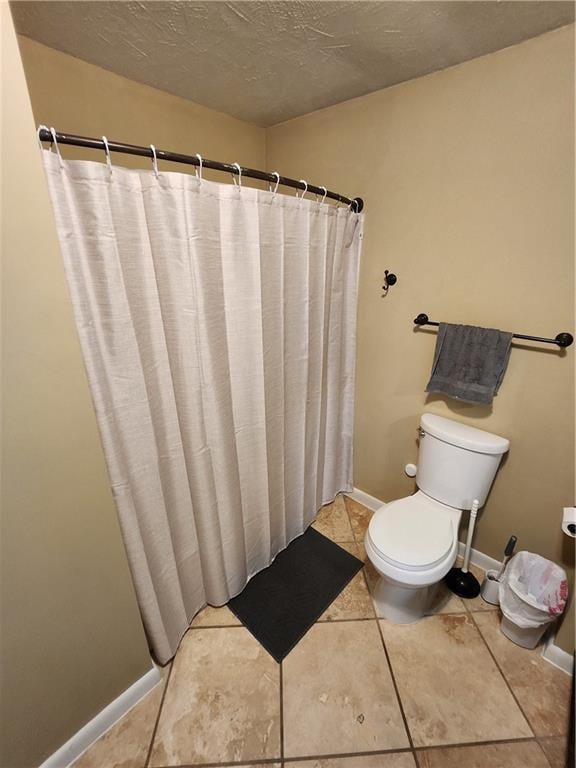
point(457, 463)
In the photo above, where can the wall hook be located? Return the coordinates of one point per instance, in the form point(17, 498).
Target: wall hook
point(390, 279)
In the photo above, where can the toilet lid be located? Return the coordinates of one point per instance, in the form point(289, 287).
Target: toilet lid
point(414, 532)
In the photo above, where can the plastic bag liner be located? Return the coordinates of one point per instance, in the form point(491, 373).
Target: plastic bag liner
point(533, 591)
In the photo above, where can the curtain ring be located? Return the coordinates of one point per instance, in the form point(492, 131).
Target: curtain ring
point(41, 128)
point(199, 166)
point(154, 160)
point(239, 169)
point(302, 181)
point(355, 204)
point(107, 150)
point(325, 193)
point(274, 173)
point(55, 142)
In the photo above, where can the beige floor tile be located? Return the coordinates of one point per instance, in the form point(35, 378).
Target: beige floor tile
point(542, 690)
point(215, 617)
point(445, 601)
point(354, 601)
point(523, 754)
point(332, 521)
point(360, 549)
point(127, 743)
point(338, 693)
point(390, 760)
point(556, 750)
point(451, 689)
point(370, 572)
point(222, 702)
point(359, 518)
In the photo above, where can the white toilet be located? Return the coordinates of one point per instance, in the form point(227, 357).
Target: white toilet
point(413, 542)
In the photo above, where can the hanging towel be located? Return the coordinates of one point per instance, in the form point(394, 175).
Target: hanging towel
point(469, 362)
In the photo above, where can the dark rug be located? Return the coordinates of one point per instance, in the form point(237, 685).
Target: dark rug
point(280, 604)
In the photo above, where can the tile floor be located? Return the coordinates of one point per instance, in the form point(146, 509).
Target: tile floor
point(447, 692)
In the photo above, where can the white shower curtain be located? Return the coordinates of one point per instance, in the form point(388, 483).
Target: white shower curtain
point(218, 329)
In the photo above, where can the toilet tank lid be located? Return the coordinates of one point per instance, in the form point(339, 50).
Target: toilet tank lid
point(463, 436)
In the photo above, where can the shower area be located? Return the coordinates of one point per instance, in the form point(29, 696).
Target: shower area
point(218, 328)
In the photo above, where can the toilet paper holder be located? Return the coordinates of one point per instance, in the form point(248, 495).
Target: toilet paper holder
point(569, 521)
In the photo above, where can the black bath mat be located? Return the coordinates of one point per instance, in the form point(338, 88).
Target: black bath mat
point(282, 602)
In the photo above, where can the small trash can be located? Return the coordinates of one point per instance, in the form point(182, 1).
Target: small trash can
point(533, 593)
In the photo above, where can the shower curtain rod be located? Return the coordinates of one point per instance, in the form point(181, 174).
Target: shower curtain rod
point(174, 157)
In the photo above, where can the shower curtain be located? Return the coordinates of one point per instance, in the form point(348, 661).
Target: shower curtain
point(217, 324)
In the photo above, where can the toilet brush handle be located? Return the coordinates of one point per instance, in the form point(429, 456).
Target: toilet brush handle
point(471, 524)
point(507, 555)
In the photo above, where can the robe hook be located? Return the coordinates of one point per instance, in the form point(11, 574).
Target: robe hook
point(390, 279)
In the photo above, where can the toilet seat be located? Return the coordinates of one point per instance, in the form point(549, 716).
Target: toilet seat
point(413, 534)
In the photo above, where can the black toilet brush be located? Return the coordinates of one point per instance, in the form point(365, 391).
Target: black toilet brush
point(460, 580)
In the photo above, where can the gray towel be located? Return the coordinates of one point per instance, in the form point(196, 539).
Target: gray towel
point(469, 362)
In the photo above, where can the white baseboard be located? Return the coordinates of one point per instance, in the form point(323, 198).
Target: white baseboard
point(479, 559)
point(551, 652)
point(364, 498)
point(104, 720)
point(559, 658)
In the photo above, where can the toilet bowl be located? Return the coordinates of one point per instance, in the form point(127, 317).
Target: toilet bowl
point(413, 542)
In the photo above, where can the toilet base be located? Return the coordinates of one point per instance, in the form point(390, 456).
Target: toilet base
point(398, 603)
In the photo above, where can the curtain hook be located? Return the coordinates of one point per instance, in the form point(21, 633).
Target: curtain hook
point(355, 204)
point(154, 160)
point(325, 193)
point(302, 181)
point(55, 142)
point(41, 128)
point(107, 150)
point(199, 166)
point(274, 173)
point(239, 169)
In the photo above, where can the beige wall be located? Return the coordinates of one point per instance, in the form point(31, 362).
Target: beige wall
point(71, 632)
point(78, 97)
point(467, 176)
point(72, 637)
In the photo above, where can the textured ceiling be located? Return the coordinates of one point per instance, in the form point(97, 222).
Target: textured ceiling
point(266, 62)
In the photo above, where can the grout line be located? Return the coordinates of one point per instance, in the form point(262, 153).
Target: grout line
point(153, 737)
point(377, 619)
point(369, 592)
point(343, 621)
point(465, 744)
point(318, 621)
point(499, 668)
point(261, 761)
point(404, 718)
point(540, 739)
point(218, 626)
point(338, 755)
point(298, 758)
